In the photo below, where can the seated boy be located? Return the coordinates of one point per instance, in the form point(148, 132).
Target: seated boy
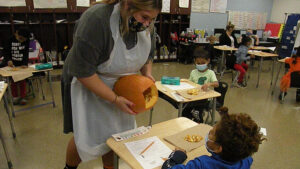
point(203, 76)
point(231, 147)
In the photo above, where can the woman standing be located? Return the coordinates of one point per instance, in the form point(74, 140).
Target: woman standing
point(112, 39)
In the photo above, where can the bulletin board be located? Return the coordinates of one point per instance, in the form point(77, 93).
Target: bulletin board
point(247, 20)
point(289, 36)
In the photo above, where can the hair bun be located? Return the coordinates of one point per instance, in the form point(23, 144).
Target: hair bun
point(223, 111)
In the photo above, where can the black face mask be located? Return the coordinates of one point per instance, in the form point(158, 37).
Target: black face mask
point(136, 26)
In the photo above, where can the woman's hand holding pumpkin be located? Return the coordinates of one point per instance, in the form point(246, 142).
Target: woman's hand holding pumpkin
point(123, 104)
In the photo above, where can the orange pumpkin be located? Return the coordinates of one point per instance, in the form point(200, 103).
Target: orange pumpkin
point(138, 89)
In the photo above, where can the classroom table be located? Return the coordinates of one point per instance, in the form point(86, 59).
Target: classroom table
point(161, 130)
point(224, 49)
point(260, 48)
point(281, 62)
point(3, 95)
point(263, 55)
point(8, 75)
point(168, 92)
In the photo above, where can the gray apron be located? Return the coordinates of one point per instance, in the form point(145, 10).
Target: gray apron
point(94, 119)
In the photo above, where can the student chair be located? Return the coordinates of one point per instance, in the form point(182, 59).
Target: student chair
point(295, 83)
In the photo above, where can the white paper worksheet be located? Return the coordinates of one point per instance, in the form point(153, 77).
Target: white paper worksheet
point(149, 156)
point(182, 86)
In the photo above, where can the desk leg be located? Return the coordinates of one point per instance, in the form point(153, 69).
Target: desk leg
point(273, 64)
point(180, 109)
point(276, 79)
point(222, 65)
point(5, 150)
point(40, 81)
point(259, 71)
point(116, 161)
point(51, 89)
point(213, 113)
point(9, 117)
point(151, 114)
point(10, 97)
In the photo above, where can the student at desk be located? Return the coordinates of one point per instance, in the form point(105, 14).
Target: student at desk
point(202, 75)
point(231, 147)
point(16, 54)
point(294, 63)
point(241, 58)
point(254, 38)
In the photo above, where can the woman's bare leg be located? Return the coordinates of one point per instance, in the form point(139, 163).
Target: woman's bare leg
point(72, 158)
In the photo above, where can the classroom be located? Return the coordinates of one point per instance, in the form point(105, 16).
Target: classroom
point(149, 84)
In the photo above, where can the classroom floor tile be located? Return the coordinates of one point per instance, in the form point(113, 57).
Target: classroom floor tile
point(41, 144)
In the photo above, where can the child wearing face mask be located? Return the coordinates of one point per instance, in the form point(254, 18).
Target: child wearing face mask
point(231, 142)
point(241, 58)
point(202, 75)
point(205, 77)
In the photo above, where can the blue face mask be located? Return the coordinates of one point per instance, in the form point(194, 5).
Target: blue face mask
point(201, 67)
point(207, 148)
point(294, 52)
point(248, 33)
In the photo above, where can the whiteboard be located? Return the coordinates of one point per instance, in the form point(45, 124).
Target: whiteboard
point(83, 3)
point(50, 3)
point(8, 3)
point(200, 6)
point(218, 6)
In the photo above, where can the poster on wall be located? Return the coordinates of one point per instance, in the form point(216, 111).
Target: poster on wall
point(184, 3)
point(50, 3)
point(201, 6)
point(218, 6)
point(248, 20)
point(83, 3)
point(166, 6)
point(9, 3)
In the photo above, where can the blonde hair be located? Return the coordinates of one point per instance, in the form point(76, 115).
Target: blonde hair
point(133, 7)
point(230, 26)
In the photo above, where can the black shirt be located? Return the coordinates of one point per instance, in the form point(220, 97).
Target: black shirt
point(224, 39)
point(16, 52)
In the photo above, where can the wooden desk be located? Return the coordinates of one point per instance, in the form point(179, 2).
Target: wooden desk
point(224, 49)
point(281, 62)
point(3, 95)
point(161, 130)
point(264, 55)
point(166, 91)
point(259, 48)
point(8, 74)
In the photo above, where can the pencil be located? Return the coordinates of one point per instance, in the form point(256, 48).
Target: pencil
point(147, 148)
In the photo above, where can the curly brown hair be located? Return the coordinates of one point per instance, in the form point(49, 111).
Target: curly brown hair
point(238, 135)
